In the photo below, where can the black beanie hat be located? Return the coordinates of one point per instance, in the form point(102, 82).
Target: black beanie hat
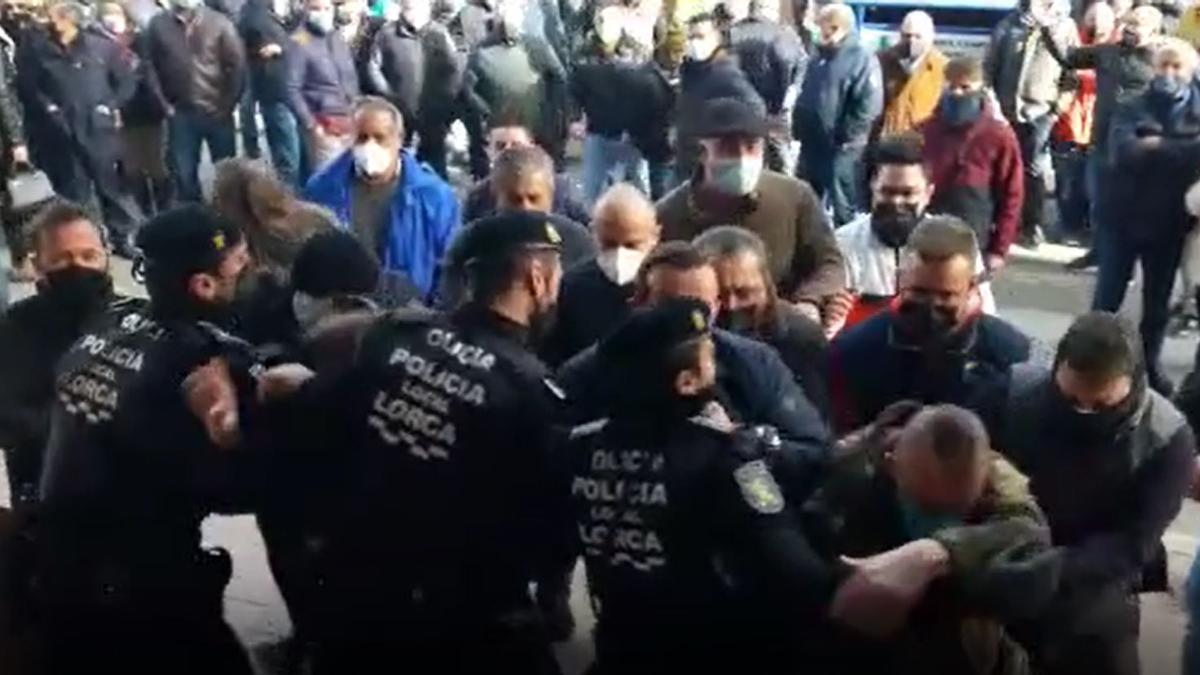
point(334, 263)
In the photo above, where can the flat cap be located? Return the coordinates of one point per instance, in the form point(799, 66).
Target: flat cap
point(645, 338)
point(187, 240)
point(500, 234)
point(732, 117)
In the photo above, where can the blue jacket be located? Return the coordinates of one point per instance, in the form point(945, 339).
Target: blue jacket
point(841, 97)
point(425, 216)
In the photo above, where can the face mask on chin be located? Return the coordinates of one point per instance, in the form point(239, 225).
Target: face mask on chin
point(76, 291)
point(620, 265)
point(737, 177)
point(893, 223)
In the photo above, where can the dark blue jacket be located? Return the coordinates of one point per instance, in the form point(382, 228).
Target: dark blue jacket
point(321, 77)
point(841, 97)
point(753, 383)
point(425, 215)
point(870, 370)
point(1156, 151)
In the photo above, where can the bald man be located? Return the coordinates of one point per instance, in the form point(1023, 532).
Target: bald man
point(922, 491)
point(912, 75)
point(594, 296)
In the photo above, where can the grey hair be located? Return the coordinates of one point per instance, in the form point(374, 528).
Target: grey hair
point(369, 104)
point(730, 240)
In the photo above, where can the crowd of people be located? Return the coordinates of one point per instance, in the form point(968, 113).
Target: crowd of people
point(750, 369)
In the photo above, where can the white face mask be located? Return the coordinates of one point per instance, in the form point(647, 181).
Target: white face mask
point(114, 24)
point(282, 8)
point(735, 177)
point(417, 16)
point(372, 159)
point(620, 264)
point(702, 49)
point(186, 5)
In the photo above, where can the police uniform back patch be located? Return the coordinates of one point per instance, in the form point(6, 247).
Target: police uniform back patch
point(758, 487)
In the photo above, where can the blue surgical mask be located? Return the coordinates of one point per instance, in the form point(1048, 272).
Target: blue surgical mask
point(919, 523)
point(961, 110)
point(736, 177)
point(1168, 87)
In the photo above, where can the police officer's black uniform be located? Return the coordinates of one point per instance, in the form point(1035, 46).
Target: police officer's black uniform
point(129, 475)
point(694, 560)
point(72, 97)
point(450, 508)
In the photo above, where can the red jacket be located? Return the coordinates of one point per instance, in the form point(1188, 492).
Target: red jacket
point(977, 176)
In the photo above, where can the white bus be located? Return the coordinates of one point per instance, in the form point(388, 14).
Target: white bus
point(964, 27)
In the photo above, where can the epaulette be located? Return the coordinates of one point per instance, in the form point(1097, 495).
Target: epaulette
point(589, 429)
point(412, 316)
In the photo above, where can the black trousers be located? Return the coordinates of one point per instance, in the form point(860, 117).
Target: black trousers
point(88, 166)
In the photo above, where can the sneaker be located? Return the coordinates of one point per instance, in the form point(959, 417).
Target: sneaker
point(1032, 240)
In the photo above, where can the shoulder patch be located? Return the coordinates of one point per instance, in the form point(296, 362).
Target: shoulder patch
point(589, 429)
point(758, 487)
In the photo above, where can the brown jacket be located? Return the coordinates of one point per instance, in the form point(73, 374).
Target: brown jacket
point(909, 98)
point(785, 212)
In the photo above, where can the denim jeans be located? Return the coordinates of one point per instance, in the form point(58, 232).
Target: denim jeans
point(836, 178)
point(1071, 188)
point(1191, 603)
point(283, 139)
point(187, 132)
point(1034, 139)
point(248, 124)
point(607, 161)
point(1116, 253)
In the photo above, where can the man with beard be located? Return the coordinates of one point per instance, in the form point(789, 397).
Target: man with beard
point(443, 426)
point(596, 294)
point(1109, 461)
point(751, 307)
point(131, 470)
point(873, 243)
point(933, 345)
point(73, 287)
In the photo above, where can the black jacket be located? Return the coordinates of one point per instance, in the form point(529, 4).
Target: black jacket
point(772, 56)
point(421, 72)
point(522, 78)
point(590, 305)
point(34, 334)
point(1122, 74)
point(802, 345)
point(260, 27)
point(700, 81)
point(76, 92)
point(1156, 152)
point(699, 561)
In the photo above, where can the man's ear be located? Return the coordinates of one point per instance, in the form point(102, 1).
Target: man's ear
point(202, 286)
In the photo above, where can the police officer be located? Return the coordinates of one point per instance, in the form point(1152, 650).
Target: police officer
point(73, 84)
point(694, 558)
point(449, 510)
point(131, 472)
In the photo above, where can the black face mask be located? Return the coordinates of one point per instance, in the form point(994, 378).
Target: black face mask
point(926, 324)
point(1099, 426)
point(542, 324)
point(893, 223)
point(742, 321)
point(77, 291)
point(690, 406)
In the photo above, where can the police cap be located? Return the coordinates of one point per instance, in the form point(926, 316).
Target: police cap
point(495, 236)
point(187, 239)
point(648, 335)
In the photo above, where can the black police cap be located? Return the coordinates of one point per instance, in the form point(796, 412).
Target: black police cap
point(187, 239)
point(649, 334)
point(732, 117)
point(494, 236)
